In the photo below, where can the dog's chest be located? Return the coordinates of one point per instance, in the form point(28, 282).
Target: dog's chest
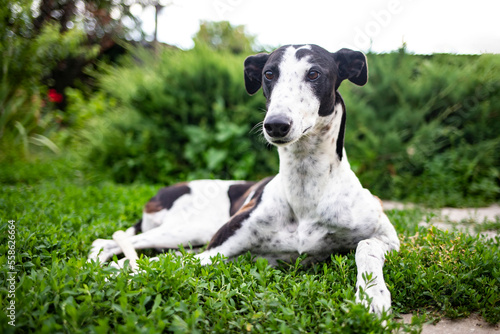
point(316, 220)
point(328, 233)
point(316, 239)
point(319, 235)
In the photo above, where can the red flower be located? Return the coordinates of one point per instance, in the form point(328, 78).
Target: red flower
point(54, 96)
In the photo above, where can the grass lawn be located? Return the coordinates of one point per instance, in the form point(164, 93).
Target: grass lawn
point(58, 214)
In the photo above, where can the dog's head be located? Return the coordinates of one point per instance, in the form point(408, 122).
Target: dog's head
point(300, 84)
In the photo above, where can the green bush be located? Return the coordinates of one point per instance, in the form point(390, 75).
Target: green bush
point(28, 55)
point(179, 115)
point(425, 128)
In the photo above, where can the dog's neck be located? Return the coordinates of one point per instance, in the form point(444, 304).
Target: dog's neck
point(310, 164)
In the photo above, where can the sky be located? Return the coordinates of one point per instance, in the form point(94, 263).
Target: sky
point(426, 26)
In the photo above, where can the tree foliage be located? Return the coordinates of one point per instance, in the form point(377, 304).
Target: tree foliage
point(30, 50)
point(222, 36)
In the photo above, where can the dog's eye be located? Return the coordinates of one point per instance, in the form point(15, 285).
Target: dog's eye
point(313, 75)
point(269, 75)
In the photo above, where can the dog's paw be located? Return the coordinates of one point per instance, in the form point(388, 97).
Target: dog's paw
point(204, 259)
point(100, 250)
point(381, 300)
point(379, 296)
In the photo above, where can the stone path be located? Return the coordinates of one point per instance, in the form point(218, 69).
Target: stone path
point(456, 219)
point(452, 219)
point(473, 324)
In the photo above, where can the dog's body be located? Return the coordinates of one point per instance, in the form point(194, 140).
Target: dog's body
point(314, 205)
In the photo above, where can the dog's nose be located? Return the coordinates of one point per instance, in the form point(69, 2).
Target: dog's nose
point(277, 126)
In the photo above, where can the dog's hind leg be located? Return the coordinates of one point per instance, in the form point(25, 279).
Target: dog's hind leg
point(103, 249)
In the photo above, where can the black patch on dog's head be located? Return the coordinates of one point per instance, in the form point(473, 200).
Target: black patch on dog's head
point(256, 66)
point(333, 68)
point(325, 86)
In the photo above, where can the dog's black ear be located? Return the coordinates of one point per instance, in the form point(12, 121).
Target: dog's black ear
point(253, 72)
point(352, 65)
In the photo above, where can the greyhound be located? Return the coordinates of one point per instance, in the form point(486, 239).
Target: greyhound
point(314, 205)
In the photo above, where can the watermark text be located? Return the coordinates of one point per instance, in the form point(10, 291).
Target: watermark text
point(11, 272)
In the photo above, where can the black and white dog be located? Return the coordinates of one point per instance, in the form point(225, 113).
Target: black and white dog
point(314, 205)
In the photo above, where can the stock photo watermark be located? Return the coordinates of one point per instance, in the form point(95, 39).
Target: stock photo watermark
point(380, 20)
point(11, 273)
point(222, 7)
point(203, 200)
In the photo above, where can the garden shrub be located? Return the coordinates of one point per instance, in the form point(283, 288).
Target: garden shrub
point(424, 128)
point(181, 115)
point(28, 55)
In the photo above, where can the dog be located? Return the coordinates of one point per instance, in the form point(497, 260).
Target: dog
point(314, 205)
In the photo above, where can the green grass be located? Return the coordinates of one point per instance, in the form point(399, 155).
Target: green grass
point(58, 214)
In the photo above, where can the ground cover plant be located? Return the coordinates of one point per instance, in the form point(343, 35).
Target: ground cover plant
point(58, 213)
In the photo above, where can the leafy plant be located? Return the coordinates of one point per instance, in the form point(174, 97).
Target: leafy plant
point(453, 274)
point(28, 56)
point(56, 220)
point(425, 128)
point(179, 115)
point(222, 36)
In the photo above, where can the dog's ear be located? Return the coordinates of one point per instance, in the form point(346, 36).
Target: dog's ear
point(352, 65)
point(253, 72)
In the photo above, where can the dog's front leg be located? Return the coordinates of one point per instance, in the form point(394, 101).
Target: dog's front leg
point(370, 257)
point(233, 246)
point(241, 232)
point(206, 256)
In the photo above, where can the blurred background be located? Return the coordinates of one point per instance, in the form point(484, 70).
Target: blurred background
point(152, 91)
